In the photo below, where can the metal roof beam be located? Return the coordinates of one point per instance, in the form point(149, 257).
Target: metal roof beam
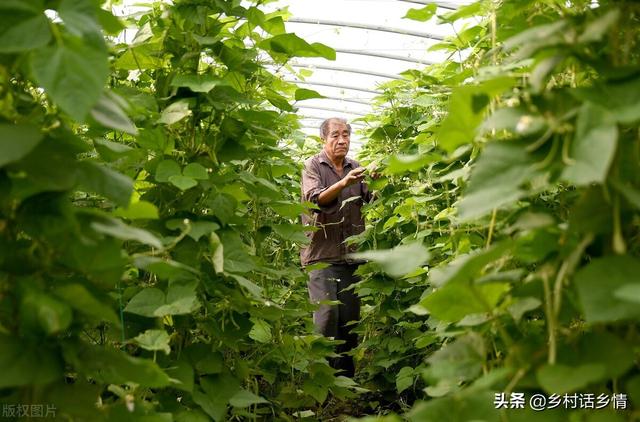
point(441, 5)
point(382, 55)
point(332, 85)
point(365, 26)
point(346, 69)
point(323, 118)
point(357, 113)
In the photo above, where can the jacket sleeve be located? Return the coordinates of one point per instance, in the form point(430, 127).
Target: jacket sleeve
point(312, 187)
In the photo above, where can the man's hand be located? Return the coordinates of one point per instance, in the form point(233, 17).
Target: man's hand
point(354, 176)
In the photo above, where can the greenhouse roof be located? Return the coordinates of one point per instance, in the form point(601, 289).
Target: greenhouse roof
point(374, 43)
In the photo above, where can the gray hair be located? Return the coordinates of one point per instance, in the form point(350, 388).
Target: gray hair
point(324, 127)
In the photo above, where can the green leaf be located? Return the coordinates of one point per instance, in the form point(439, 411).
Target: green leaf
point(175, 112)
point(138, 211)
point(397, 261)
point(108, 112)
point(460, 360)
point(306, 94)
point(422, 15)
point(151, 302)
point(113, 151)
point(560, 379)
point(292, 45)
point(597, 28)
point(245, 398)
point(472, 406)
point(593, 147)
point(183, 182)
point(620, 99)
point(399, 164)
point(167, 169)
point(261, 331)
point(24, 363)
point(404, 379)
point(49, 313)
point(22, 27)
point(107, 365)
point(598, 284)
point(100, 179)
point(79, 17)
point(497, 179)
point(466, 107)
point(80, 299)
point(154, 340)
point(454, 301)
point(146, 302)
point(116, 228)
point(196, 171)
point(16, 141)
point(197, 83)
point(218, 389)
point(73, 73)
point(202, 228)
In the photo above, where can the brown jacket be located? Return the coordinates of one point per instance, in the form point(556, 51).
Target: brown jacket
point(335, 221)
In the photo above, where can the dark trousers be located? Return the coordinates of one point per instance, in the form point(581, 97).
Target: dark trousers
point(330, 320)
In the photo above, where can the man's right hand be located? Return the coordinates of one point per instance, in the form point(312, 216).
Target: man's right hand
point(354, 176)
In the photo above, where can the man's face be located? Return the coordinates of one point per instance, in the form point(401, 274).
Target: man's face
point(336, 144)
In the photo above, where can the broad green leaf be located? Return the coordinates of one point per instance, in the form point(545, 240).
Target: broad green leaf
point(537, 34)
point(292, 232)
point(560, 379)
point(146, 302)
point(593, 147)
point(628, 292)
point(598, 284)
point(197, 83)
point(167, 169)
point(108, 365)
point(397, 261)
point(404, 379)
point(108, 112)
point(620, 99)
point(223, 206)
point(606, 349)
point(175, 112)
point(22, 27)
point(151, 302)
point(218, 389)
point(454, 301)
point(113, 151)
point(195, 171)
point(399, 164)
point(306, 94)
point(154, 340)
point(597, 28)
point(181, 299)
point(261, 331)
point(467, 267)
point(253, 288)
point(100, 179)
point(24, 363)
point(423, 14)
point(202, 228)
point(50, 314)
point(16, 141)
point(116, 228)
point(466, 106)
point(522, 306)
point(182, 371)
point(515, 120)
point(460, 360)
point(80, 17)
point(473, 406)
point(292, 45)
point(497, 179)
point(212, 363)
point(79, 298)
point(137, 211)
point(182, 182)
point(73, 73)
point(245, 398)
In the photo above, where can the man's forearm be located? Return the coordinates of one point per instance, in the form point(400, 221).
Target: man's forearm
point(330, 194)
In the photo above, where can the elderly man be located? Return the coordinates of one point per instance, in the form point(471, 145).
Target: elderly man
point(331, 180)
